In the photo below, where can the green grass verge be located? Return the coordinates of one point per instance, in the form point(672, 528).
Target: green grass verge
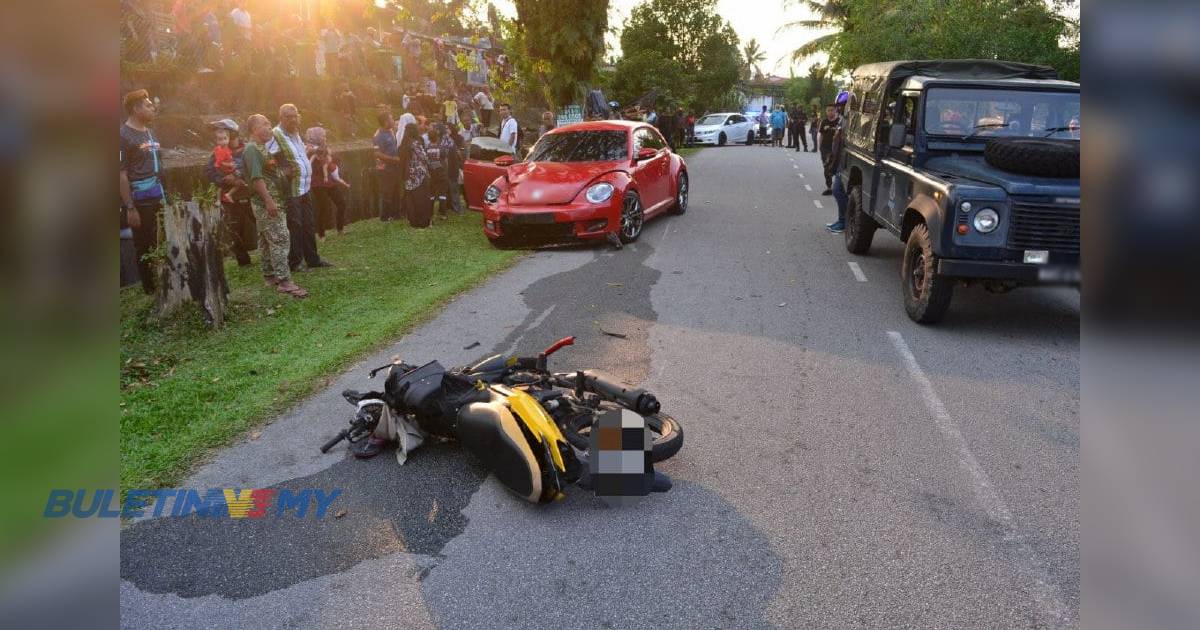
point(186, 390)
point(687, 152)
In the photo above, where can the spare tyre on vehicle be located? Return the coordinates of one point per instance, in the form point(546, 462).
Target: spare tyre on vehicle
point(1041, 157)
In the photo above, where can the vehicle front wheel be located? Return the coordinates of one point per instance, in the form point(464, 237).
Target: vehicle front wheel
point(926, 293)
point(632, 218)
point(681, 195)
point(721, 139)
point(860, 228)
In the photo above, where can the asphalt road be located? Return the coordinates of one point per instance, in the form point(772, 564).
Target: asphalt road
point(842, 466)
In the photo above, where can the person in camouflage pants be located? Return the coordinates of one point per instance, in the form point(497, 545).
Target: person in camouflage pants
point(274, 241)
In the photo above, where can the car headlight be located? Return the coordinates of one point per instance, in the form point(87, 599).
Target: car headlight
point(986, 220)
point(599, 193)
point(491, 195)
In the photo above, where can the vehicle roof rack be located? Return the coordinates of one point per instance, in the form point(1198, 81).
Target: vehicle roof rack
point(956, 69)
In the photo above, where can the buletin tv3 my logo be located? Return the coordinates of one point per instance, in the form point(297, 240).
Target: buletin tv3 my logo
point(209, 503)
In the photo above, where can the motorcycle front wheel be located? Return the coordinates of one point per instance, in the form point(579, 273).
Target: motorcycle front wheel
point(666, 436)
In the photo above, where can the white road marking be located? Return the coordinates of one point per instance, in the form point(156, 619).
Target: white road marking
point(808, 188)
point(1044, 592)
point(817, 203)
point(857, 271)
point(796, 166)
point(801, 174)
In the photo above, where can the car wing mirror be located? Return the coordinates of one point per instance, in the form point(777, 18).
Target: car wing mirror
point(896, 136)
point(504, 160)
point(645, 153)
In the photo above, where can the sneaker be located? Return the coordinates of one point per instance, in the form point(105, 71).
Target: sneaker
point(371, 448)
point(827, 193)
point(830, 224)
point(837, 228)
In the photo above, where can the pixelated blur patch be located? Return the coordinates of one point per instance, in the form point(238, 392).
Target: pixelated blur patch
point(621, 464)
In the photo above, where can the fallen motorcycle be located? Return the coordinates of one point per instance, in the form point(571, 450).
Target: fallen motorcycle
point(538, 431)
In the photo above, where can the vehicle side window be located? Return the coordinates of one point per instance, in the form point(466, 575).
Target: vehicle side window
point(910, 116)
point(650, 139)
point(734, 120)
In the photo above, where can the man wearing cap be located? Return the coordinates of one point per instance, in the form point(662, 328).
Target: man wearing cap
point(292, 161)
point(140, 180)
point(273, 239)
point(235, 203)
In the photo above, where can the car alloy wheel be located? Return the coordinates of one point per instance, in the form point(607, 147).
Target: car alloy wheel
point(632, 218)
point(681, 197)
point(721, 139)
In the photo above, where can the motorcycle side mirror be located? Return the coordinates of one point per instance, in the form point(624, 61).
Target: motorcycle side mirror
point(896, 136)
point(504, 160)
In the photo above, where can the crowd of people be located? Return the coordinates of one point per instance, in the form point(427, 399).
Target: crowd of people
point(213, 35)
point(282, 189)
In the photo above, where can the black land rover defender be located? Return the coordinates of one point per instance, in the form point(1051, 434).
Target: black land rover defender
point(974, 164)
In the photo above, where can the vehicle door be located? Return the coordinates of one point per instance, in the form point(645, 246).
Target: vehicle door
point(861, 131)
point(895, 166)
point(741, 127)
point(478, 169)
point(648, 174)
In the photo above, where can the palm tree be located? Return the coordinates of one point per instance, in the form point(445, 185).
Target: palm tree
point(829, 14)
point(753, 54)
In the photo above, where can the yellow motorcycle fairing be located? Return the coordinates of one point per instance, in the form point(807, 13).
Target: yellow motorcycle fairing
point(530, 412)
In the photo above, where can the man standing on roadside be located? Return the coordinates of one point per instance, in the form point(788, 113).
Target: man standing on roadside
point(273, 239)
point(292, 161)
point(778, 123)
point(508, 127)
point(387, 155)
point(828, 128)
point(235, 209)
point(140, 180)
point(799, 123)
point(483, 100)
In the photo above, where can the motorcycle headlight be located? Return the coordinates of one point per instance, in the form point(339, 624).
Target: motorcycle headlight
point(491, 195)
point(599, 193)
point(986, 220)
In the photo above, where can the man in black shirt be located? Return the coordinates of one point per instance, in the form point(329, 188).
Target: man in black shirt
point(828, 128)
point(140, 180)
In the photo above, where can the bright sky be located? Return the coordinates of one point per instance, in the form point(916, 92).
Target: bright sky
point(750, 18)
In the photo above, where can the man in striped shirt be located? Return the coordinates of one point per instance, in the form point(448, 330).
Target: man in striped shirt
point(292, 163)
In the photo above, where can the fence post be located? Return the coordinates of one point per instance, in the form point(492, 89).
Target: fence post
point(192, 268)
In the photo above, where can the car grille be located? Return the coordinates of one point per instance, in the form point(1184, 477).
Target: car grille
point(1043, 226)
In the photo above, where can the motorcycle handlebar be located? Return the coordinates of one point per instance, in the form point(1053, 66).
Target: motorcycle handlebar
point(606, 386)
point(343, 434)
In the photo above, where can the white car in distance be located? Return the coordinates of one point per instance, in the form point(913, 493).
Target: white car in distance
point(724, 128)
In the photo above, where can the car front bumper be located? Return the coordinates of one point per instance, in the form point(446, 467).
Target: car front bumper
point(1024, 273)
point(553, 223)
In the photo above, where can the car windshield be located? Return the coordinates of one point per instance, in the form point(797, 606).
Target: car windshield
point(579, 146)
point(715, 119)
point(967, 112)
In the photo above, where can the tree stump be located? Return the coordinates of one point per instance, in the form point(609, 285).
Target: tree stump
point(192, 268)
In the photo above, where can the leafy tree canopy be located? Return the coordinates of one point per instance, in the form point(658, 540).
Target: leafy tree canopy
point(683, 49)
point(1031, 31)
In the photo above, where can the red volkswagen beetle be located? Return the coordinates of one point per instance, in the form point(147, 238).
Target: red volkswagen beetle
point(580, 182)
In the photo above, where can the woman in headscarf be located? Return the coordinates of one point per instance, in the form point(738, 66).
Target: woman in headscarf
point(415, 170)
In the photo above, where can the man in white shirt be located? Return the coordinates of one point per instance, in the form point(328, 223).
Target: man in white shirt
point(483, 100)
point(508, 127)
point(295, 171)
point(241, 18)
